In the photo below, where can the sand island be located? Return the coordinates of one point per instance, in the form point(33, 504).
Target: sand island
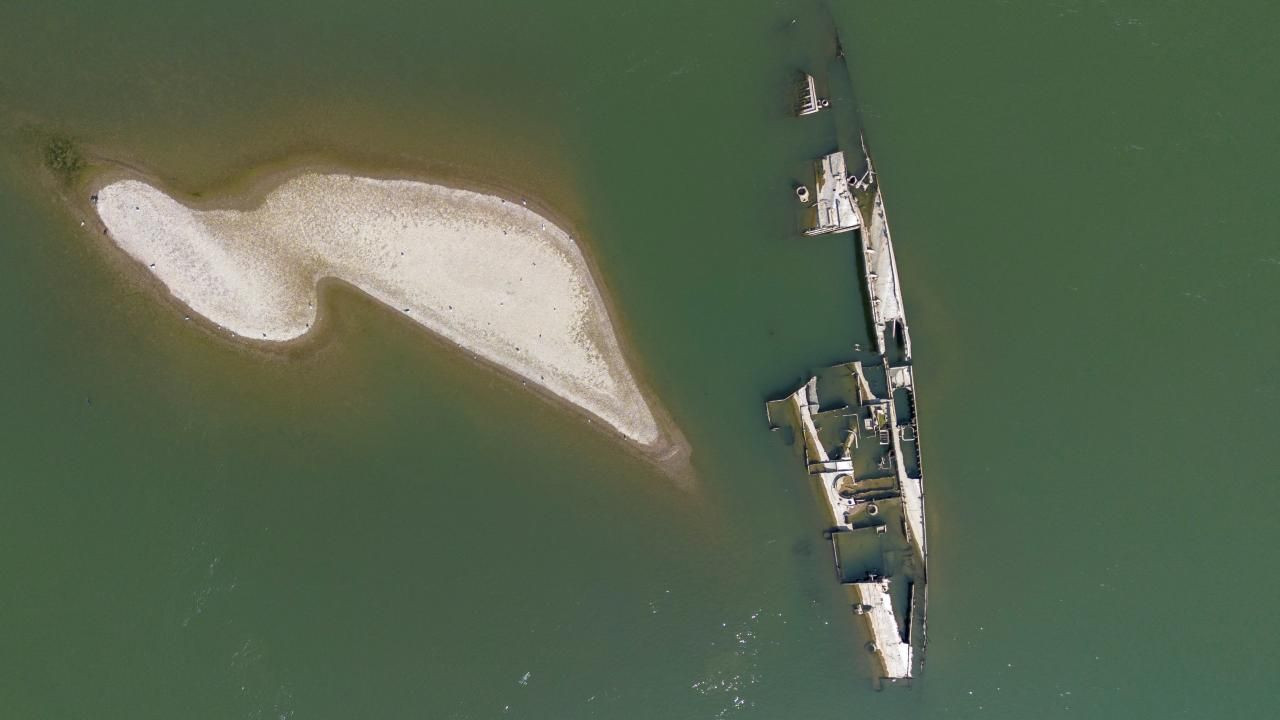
point(486, 273)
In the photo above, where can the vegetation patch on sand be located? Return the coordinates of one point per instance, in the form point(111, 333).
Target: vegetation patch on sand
point(63, 158)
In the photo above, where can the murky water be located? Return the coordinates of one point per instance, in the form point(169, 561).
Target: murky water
point(375, 527)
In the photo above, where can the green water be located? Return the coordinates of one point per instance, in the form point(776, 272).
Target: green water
point(376, 528)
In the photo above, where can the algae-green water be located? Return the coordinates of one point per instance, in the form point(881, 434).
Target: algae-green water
point(376, 527)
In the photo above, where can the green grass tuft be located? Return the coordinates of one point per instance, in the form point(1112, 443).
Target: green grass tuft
point(63, 158)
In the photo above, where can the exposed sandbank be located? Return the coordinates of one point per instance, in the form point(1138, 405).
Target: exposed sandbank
point(488, 274)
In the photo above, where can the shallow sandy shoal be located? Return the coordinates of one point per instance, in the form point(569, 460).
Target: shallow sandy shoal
point(487, 274)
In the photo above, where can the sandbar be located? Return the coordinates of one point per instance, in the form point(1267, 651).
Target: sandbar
point(481, 271)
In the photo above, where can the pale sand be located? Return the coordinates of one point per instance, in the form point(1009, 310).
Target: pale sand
point(487, 274)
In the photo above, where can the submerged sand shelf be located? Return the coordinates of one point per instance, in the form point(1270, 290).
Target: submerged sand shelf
point(487, 274)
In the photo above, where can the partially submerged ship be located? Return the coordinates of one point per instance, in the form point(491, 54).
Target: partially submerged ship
point(860, 437)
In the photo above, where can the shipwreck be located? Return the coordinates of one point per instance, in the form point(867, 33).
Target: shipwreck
point(856, 427)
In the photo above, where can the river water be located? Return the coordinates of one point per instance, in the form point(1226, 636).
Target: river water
point(374, 527)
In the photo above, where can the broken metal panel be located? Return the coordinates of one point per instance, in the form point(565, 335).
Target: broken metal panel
point(804, 408)
point(913, 502)
point(911, 488)
point(864, 388)
point(876, 606)
point(900, 377)
point(810, 103)
point(834, 206)
point(883, 287)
